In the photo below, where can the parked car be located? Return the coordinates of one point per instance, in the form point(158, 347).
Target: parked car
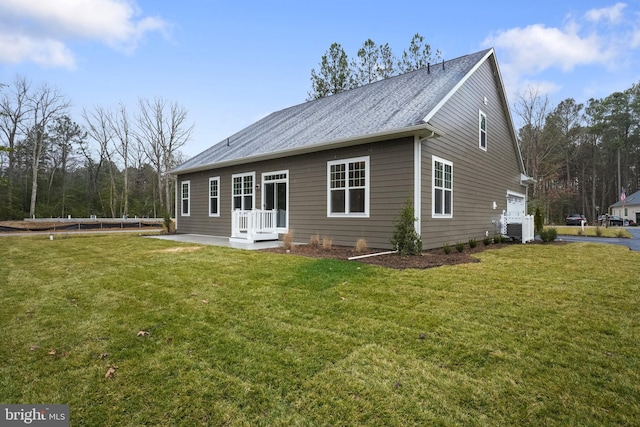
point(576, 219)
point(615, 220)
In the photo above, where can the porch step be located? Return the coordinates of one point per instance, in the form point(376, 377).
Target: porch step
point(255, 237)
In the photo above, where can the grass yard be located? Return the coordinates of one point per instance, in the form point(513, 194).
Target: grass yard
point(135, 331)
point(593, 231)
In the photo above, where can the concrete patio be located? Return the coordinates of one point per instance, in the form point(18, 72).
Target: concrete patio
point(203, 239)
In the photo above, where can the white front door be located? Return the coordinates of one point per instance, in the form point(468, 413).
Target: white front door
point(275, 196)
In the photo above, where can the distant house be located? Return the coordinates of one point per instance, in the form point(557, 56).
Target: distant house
point(630, 210)
point(342, 166)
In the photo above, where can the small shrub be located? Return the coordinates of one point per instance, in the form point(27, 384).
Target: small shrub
point(314, 241)
point(287, 240)
point(405, 238)
point(497, 238)
point(598, 231)
point(620, 234)
point(486, 241)
point(446, 248)
point(459, 246)
point(361, 245)
point(327, 244)
point(548, 234)
point(473, 243)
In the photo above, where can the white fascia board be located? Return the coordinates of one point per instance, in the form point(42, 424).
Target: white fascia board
point(452, 92)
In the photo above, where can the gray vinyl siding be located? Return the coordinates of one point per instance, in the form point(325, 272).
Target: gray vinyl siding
point(391, 183)
point(479, 177)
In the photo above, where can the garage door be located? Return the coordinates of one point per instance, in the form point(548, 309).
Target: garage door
point(516, 205)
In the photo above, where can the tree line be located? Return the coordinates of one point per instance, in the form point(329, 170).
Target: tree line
point(582, 156)
point(113, 163)
point(373, 62)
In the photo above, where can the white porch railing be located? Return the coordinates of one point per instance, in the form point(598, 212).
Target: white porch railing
point(254, 225)
point(528, 233)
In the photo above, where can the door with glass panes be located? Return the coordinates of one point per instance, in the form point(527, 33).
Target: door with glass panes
point(275, 196)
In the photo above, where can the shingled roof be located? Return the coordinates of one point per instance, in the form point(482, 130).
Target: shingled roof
point(387, 108)
point(633, 199)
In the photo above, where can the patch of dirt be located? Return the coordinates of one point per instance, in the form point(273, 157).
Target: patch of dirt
point(428, 259)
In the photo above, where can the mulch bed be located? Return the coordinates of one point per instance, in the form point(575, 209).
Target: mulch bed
point(428, 259)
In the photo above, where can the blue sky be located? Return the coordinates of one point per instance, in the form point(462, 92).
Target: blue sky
point(231, 63)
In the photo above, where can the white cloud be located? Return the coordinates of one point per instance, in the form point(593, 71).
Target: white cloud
point(611, 14)
point(536, 48)
point(46, 52)
point(45, 26)
point(603, 39)
point(635, 39)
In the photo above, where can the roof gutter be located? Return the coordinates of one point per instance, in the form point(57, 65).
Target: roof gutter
point(423, 131)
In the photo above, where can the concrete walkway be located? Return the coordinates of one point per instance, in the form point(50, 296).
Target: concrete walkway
point(633, 244)
point(202, 239)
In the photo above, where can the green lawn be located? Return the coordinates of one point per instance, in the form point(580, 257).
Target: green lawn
point(532, 335)
point(594, 231)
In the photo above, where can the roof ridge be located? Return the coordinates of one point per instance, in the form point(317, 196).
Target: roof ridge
point(383, 107)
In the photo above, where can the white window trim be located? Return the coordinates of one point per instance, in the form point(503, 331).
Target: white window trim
point(367, 177)
point(435, 159)
point(212, 179)
point(253, 191)
point(188, 198)
point(486, 132)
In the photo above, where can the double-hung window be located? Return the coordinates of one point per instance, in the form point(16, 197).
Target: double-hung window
point(442, 188)
point(243, 195)
point(348, 187)
point(482, 131)
point(185, 195)
point(214, 196)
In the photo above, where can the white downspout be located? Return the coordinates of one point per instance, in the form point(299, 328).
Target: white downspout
point(417, 183)
point(175, 207)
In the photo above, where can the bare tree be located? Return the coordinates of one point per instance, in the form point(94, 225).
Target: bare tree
point(65, 135)
point(121, 128)
point(162, 129)
point(536, 148)
point(101, 132)
point(46, 104)
point(13, 114)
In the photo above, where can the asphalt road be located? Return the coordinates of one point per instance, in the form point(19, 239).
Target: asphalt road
point(633, 244)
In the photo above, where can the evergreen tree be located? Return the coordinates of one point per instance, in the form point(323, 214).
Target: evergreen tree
point(418, 56)
point(365, 68)
point(405, 238)
point(334, 75)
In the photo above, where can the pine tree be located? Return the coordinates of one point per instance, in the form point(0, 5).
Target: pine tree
point(405, 238)
point(334, 75)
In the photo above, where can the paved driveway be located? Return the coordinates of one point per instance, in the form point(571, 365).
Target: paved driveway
point(633, 244)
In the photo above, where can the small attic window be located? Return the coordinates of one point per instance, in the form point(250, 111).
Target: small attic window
point(482, 131)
